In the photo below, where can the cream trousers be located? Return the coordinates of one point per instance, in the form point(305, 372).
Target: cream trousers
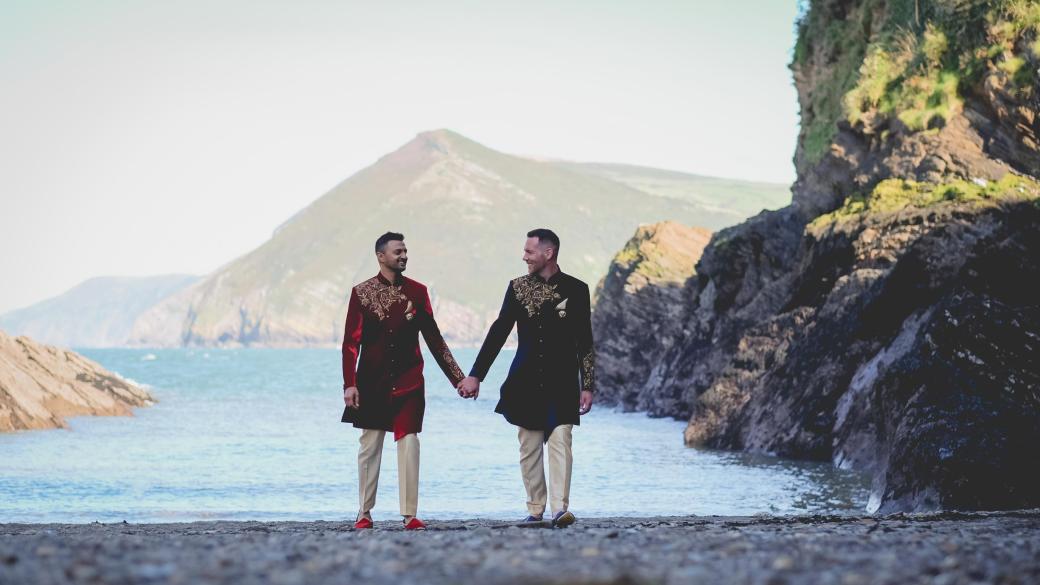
point(560, 462)
point(370, 454)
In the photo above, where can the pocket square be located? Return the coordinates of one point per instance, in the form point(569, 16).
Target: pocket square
point(562, 305)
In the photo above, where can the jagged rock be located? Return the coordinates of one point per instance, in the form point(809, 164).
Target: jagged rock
point(904, 344)
point(41, 385)
point(809, 373)
point(741, 276)
point(646, 278)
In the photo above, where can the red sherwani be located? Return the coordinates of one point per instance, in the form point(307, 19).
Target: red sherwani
point(384, 320)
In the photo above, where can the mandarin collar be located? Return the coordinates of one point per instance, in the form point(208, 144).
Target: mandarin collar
point(552, 279)
point(398, 282)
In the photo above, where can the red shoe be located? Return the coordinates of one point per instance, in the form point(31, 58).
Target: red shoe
point(415, 524)
point(363, 524)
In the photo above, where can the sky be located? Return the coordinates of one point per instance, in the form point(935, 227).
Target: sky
point(152, 137)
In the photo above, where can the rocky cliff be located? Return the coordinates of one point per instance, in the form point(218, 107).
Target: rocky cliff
point(40, 385)
point(886, 320)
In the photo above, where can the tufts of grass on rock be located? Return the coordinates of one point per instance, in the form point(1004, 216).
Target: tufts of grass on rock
point(893, 195)
point(912, 60)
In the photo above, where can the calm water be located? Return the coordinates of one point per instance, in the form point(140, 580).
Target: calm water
point(255, 434)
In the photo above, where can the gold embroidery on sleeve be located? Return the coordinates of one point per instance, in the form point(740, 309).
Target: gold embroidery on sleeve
point(378, 297)
point(588, 371)
point(453, 366)
point(532, 293)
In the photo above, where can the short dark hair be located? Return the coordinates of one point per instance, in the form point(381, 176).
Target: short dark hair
point(386, 238)
point(546, 235)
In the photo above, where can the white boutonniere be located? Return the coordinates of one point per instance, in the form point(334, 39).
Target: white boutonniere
point(561, 309)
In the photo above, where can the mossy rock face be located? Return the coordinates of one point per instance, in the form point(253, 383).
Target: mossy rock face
point(893, 195)
point(665, 251)
point(908, 60)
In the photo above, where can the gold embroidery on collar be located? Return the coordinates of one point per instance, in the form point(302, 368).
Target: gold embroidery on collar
point(533, 292)
point(588, 371)
point(378, 297)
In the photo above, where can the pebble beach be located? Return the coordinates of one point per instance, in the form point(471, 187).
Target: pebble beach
point(947, 548)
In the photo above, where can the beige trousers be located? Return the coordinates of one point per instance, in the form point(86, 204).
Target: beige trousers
point(560, 462)
point(370, 455)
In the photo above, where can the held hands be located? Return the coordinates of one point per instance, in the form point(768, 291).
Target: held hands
point(469, 387)
point(350, 397)
point(585, 402)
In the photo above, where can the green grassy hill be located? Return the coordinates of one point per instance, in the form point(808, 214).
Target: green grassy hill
point(464, 209)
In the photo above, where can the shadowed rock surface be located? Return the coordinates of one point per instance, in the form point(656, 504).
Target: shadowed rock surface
point(40, 385)
point(949, 548)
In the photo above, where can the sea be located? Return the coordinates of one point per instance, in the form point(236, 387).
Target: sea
point(255, 434)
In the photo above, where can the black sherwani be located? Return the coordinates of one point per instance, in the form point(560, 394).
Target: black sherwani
point(554, 360)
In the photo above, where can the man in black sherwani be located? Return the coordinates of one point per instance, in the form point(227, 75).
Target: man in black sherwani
point(550, 382)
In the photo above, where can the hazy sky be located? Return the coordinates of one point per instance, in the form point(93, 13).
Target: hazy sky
point(146, 137)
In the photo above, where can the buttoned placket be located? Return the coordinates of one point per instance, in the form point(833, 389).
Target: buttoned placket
point(393, 359)
point(541, 343)
point(541, 355)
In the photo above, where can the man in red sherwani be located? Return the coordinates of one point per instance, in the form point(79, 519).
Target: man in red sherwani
point(385, 391)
